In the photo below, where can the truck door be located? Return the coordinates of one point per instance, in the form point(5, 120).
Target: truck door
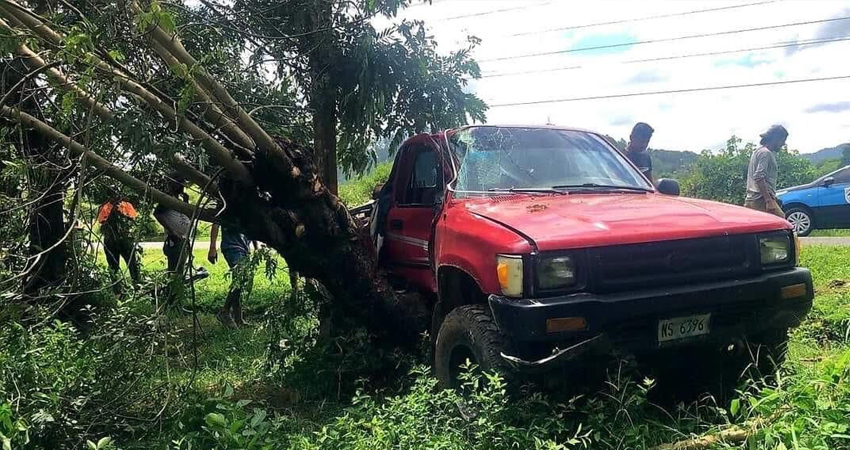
point(417, 190)
point(834, 201)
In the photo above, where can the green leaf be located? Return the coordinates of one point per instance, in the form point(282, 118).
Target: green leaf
point(215, 420)
point(735, 407)
point(166, 22)
point(104, 442)
point(259, 416)
point(91, 445)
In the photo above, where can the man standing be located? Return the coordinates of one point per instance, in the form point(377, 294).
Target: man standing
point(636, 149)
point(762, 172)
point(177, 226)
point(236, 248)
point(115, 218)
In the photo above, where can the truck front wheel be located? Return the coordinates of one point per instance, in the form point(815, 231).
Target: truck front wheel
point(468, 333)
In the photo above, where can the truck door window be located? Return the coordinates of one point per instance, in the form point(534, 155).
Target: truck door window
point(425, 180)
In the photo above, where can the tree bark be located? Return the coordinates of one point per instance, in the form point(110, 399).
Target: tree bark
point(324, 140)
point(45, 176)
point(323, 96)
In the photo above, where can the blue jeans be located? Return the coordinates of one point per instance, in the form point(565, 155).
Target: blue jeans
point(233, 256)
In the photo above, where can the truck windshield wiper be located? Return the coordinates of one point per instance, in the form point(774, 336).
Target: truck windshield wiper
point(529, 190)
point(603, 187)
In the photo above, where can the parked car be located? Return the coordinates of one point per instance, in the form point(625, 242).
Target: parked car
point(543, 245)
point(823, 203)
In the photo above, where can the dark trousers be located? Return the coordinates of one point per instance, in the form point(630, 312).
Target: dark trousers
point(117, 248)
point(175, 253)
point(234, 296)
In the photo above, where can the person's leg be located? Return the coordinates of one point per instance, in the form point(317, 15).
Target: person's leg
point(170, 256)
point(240, 278)
point(131, 257)
point(111, 248)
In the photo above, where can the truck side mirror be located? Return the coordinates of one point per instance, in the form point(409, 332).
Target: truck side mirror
point(828, 181)
point(667, 186)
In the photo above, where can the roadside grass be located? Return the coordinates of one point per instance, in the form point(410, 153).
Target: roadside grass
point(282, 382)
point(840, 232)
point(829, 321)
point(381, 419)
point(211, 292)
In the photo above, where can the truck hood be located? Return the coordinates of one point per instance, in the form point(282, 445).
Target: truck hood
point(557, 222)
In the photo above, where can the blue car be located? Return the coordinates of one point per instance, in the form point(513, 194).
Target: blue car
point(823, 203)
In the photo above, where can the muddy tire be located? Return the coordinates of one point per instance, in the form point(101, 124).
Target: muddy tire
point(468, 333)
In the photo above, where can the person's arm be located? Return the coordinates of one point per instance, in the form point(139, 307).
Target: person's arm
point(759, 175)
point(212, 255)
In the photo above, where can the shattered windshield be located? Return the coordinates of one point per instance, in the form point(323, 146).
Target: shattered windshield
point(503, 159)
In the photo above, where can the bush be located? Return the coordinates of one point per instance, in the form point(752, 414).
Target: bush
point(68, 387)
point(723, 176)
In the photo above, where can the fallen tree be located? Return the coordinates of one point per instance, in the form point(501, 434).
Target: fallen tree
point(264, 184)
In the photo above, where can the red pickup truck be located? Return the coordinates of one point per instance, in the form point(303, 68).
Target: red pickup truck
point(541, 245)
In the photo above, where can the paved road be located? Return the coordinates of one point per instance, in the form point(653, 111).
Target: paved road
point(198, 245)
point(826, 241)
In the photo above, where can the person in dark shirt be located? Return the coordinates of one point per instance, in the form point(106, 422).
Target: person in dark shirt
point(116, 218)
point(236, 248)
point(636, 150)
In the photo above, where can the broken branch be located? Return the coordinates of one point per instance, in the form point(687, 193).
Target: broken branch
point(107, 167)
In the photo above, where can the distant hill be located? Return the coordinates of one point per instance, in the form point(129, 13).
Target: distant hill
point(826, 154)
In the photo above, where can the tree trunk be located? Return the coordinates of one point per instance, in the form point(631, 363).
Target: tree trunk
point(46, 223)
point(318, 239)
point(323, 98)
point(46, 183)
point(324, 139)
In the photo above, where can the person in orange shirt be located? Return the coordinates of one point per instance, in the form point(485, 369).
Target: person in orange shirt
point(116, 218)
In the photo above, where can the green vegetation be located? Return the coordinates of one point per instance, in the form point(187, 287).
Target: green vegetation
point(359, 191)
point(831, 233)
point(722, 176)
point(284, 382)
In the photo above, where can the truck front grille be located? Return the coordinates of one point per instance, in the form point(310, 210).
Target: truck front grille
point(670, 263)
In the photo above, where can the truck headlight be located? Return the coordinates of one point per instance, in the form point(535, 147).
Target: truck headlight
point(556, 272)
point(509, 272)
point(775, 249)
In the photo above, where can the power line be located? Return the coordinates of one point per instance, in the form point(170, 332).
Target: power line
point(674, 91)
point(671, 39)
point(495, 11)
point(786, 44)
point(638, 19)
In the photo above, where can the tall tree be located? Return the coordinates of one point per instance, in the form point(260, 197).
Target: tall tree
point(46, 182)
point(360, 83)
point(211, 115)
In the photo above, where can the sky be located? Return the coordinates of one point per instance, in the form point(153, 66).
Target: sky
point(817, 114)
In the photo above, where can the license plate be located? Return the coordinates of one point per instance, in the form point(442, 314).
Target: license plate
point(682, 327)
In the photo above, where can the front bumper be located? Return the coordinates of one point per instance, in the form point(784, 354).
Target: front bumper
point(628, 321)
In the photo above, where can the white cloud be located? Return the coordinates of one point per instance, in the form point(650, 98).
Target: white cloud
point(691, 121)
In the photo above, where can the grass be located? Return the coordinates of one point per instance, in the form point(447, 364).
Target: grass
point(831, 233)
point(279, 379)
